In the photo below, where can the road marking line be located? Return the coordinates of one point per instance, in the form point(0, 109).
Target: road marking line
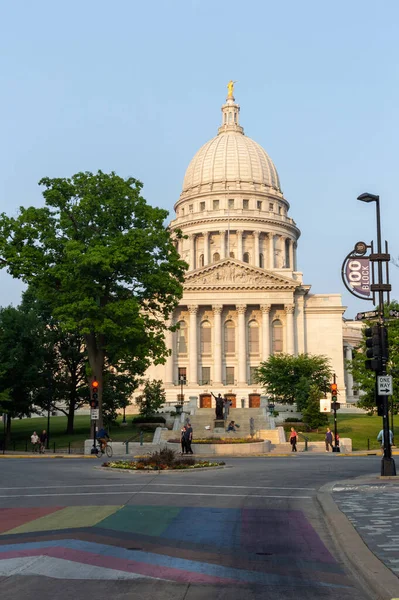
point(113, 485)
point(147, 492)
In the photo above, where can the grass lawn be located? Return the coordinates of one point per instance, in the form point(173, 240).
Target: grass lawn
point(22, 429)
point(358, 427)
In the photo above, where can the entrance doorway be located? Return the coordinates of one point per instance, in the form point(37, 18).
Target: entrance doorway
point(232, 398)
point(205, 401)
point(254, 400)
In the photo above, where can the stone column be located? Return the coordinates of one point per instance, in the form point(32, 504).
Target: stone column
point(349, 376)
point(193, 356)
point(222, 245)
point(291, 254)
point(206, 248)
point(242, 345)
point(169, 367)
point(192, 252)
point(217, 344)
point(281, 258)
point(256, 248)
point(289, 310)
point(265, 309)
point(239, 245)
point(300, 322)
point(271, 250)
point(295, 259)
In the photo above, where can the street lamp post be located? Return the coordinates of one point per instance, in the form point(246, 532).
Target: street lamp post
point(388, 464)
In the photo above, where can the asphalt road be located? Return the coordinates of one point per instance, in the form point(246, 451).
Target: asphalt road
point(251, 530)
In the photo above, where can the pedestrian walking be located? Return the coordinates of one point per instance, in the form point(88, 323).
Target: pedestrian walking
point(293, 439)
point(43, 441)
point(183, 440)
point(380, 438)
point(328, 440)
point(34, 438)
point(188, 437)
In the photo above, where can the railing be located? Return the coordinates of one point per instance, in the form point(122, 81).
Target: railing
point(27, 446)
point(306, 439)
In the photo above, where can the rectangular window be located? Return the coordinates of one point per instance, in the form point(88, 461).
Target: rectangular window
point(206, 375)
point(253, 339)
point(229, 375)
point(252, 375)
point(231, 203)
point(279, 210)
point(245, 204)
point(271, 206)
point(206, 339)
point(190, 208)
point(216, 205)
point(202, 206)
point(259, 204)
point(182, 212)
point(182, 374)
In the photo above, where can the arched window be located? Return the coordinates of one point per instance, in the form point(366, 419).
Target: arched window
point(287, 254)
point(230, 117)
point(206, 338)
point(229, 337)
point(201, 260)
point(277, 336)
point(261, 261)
point(231, 254)
point(253, 337)
point(216, 257)
point(182, 338)
point(245, 258)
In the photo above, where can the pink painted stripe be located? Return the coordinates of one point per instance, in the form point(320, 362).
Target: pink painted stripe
point(130, 566)
point(10, 518)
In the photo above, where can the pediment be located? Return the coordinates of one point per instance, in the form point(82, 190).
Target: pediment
point(233, 274)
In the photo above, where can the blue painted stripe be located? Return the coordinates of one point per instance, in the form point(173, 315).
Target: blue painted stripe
point(172, 562)
point(216, 527)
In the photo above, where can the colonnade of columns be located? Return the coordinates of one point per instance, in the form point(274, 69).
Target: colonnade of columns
point(241, 357)
point(348, 374)
point(278, 257)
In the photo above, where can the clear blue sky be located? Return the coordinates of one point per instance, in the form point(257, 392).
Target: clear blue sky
point(136, 87)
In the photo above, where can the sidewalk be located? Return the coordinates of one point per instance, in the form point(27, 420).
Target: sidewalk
point(16, 454)
point(363, 515)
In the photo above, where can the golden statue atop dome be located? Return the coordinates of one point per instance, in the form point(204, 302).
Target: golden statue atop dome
point(230, 87)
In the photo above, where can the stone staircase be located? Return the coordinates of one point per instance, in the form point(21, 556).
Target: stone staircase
point(204, 417)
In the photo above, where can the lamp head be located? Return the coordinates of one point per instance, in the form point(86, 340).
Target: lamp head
point(366, 197)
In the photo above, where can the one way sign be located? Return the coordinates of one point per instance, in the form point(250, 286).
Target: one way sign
point(384, 385)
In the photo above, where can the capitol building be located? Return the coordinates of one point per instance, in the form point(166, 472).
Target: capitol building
point(244, 295)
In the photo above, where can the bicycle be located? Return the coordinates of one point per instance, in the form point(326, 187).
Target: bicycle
point(107, 450)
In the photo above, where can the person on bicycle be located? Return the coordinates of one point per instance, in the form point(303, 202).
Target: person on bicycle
point(103, 437)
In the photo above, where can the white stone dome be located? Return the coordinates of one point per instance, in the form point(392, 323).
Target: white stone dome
point(230, 158)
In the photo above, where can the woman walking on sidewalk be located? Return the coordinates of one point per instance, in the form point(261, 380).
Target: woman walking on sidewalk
point(293, 439)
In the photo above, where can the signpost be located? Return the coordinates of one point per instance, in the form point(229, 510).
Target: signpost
point(369, 314)
point(325, 405)
point(94, 414)
point(384, 385)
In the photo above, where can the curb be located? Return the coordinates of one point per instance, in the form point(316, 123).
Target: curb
point(44, 456)
point(151, 472)
point(369, 571)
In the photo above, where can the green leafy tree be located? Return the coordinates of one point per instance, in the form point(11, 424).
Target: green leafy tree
point(152, 398)
point(289, 378)
point(311, 414)
point(103, 260)
point(364, 380)
point(21, 358)
point(118, 389)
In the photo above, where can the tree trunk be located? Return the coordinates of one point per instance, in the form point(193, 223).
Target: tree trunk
point(71, 416)
point(8, 430)
point(96, 362)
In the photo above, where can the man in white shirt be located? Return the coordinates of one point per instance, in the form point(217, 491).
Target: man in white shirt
point(380, 438)
point(34, 438)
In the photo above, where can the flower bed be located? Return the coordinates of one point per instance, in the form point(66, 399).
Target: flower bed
point(144, 466)
point(164, 460)
point(216, 440)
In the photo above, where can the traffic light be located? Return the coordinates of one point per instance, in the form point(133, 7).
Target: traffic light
point(334, 392)
point(94, 394)
point(373, 345)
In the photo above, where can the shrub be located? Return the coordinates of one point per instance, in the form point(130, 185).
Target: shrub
point(148, 419)
point(293, 420)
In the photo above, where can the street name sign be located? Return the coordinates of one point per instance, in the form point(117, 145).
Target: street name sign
point(325, 405)
point(369, 314)
point(385, 387)
point(94, 414)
